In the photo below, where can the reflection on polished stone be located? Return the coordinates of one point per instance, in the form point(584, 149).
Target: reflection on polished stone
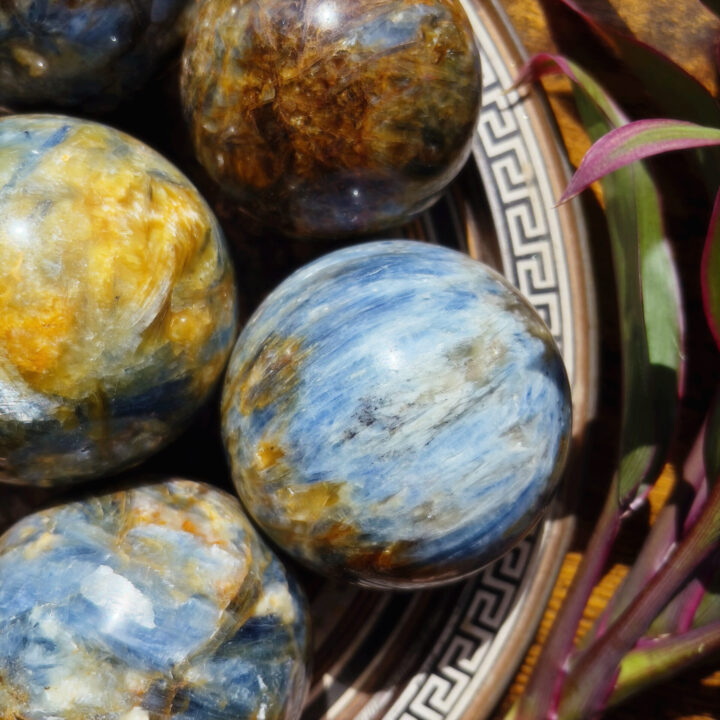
point(157, 601)
point(64, 52)
point(328, 118)
point(395, 413)
point(117, 300)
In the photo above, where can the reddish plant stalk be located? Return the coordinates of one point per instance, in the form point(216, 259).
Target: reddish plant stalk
point(543, 691)
point(586, 687)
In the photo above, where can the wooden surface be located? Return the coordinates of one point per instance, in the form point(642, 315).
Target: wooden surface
point(687, 32)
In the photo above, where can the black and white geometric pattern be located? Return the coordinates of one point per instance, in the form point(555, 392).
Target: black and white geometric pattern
point(521, 197)
point(445, 686)
point(532, 247)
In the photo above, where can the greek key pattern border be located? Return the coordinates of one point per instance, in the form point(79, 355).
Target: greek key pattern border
point(521, 197)
point(531, 244)
point(443, 689)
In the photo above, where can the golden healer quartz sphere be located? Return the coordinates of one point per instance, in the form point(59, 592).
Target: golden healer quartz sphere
point(117, 300)
point(327, 118)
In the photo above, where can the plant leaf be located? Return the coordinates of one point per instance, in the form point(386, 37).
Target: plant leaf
point(710, 272)
point(635, 141)
point(650, 316)
point(638, 242)
point(663, 659)
point(584, 691)
point(648, 292)
point(587, 686)
point(673, 520)
point(542, 64)
point(709, 608)
point(674, 92)
point(698, 603)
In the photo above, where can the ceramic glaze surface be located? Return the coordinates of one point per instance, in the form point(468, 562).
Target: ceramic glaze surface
point(117, 300)
point(64, 52)
point(395, 413)
point(156, 602)
point(326, 118)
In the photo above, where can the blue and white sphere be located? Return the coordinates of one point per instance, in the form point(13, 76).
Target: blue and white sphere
point(396, 414)
point(159, 601)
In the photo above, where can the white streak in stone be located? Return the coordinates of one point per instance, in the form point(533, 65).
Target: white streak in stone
point(136, 714)
point(120, 599)
point(276, 600)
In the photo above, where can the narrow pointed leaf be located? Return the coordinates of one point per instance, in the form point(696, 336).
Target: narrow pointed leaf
point(650, 317)
point(708, 609)
point(675, 520)
point(588, 684)
point(679, 614)
point(635, 141)
point(665, 533)
point(673, 91)
point(542, 64)
point(698, 603)
point(638, 245)
point(663, 659)
point(710, 272)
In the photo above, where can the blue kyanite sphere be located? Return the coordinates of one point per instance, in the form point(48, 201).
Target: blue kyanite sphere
point(159, 601)
point(397, 414)
point(65, 52)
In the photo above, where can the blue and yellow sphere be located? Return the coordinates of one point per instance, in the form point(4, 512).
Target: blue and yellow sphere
point(117, 300)
point(396, 414)
point(155, 601)
point(94, 52)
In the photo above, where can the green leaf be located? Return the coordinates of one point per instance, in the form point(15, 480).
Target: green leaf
point(674, 92)
point(648, 291)
point(650, 313)
point(638, 246)
point(663, 659)
point(667, 596)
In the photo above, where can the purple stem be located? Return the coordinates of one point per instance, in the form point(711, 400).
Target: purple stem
point(586, 686)
point(681, 613)
point(543, 691)
point(664, 658)
point(695, 593)
point(660, 542)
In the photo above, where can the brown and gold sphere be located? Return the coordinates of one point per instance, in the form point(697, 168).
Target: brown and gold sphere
point(329, 118)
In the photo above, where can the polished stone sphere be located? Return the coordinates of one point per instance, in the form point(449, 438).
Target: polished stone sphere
point(94, 52)
point(117, 300)
point(328, 118)
point(159, 601)
point(395, 413)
